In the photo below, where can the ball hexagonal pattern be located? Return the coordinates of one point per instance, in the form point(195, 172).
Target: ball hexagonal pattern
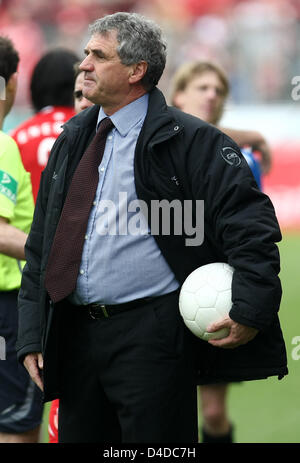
point(205, 297)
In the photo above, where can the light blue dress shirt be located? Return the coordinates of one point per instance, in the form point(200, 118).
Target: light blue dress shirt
point(121, 260)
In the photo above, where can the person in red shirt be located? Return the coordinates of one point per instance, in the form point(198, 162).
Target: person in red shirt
point(51, 88)
point(53, 422)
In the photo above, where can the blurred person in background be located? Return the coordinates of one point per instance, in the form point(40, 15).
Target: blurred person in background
point(80, 103)
point(201, 88)
point(51, 89)
point(21, 406)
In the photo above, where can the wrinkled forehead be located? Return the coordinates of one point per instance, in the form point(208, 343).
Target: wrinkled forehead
point(110, 35)
point(107, 42)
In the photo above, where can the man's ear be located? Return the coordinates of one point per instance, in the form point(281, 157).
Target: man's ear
point(12, 83)
point(137, 72)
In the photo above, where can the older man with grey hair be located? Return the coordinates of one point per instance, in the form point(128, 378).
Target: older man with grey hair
point(99, 323)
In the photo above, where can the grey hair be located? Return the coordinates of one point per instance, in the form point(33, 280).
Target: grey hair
point(140, 39)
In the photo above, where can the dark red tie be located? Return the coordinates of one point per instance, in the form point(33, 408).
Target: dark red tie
point(65, 256)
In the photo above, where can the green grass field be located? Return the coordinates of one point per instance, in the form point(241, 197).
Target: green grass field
point(268, 411)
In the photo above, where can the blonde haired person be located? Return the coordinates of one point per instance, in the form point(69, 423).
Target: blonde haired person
point(201, 88)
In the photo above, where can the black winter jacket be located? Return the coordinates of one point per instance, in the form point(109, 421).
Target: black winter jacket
point(180, 157)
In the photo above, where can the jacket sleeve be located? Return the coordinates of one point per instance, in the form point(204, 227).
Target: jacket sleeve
point(30, 301)
point(29, 330)
point(243, 224)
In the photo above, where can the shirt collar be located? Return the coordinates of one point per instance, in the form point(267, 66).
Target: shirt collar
point(128, 116)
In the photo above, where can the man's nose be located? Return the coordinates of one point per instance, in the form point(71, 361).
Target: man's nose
point(86, 64)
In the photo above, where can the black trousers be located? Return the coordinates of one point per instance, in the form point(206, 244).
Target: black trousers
point(128, 378)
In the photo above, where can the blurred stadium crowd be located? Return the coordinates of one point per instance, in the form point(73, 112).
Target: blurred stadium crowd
point(256, 41)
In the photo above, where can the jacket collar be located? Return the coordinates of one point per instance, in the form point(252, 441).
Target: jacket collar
point(84, 119)
point(160, 123)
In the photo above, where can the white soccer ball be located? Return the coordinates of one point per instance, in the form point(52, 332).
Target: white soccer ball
point(205, 297)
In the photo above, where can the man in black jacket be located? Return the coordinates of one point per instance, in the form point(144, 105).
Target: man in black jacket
point(111, 343)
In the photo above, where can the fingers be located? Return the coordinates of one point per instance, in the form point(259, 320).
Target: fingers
point(40, 361)
point(237, 336)
point(226, 342)
point(32, 364)
point(226, 322)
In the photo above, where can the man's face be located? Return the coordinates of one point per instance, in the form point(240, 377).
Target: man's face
point(105, 77)
point(203, 97)
point(80, 102)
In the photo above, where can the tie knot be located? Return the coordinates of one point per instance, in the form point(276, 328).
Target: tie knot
point(105, 125)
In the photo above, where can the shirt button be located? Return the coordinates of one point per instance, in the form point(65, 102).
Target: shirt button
point(81, 272)
point(102, 169)
point(109, 137)
point(94, 203)
point(86, 237)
